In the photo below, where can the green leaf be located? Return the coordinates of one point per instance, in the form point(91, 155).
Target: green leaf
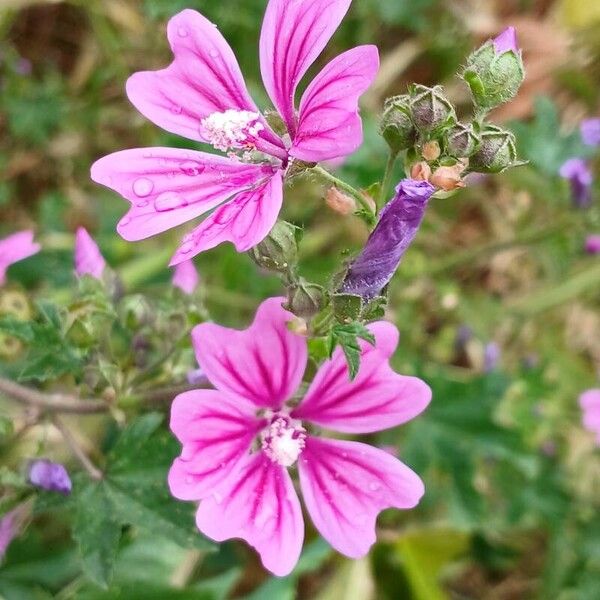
point(97, 531)
point(17, 328)
point(346, 336)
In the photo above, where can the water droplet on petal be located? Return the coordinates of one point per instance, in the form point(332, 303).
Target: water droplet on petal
point(142, 187)
point(374, 486)
point(214, 53)
point(182, 32)
point(191, 168)
point(169, 201)
point(142, 203)
point(186, 247)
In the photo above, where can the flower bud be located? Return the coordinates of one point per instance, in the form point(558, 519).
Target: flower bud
point(398, 224)
point(50, 476)
point(496, 151)
point(396, 125)
point(430, 109)
point(87, 256)
point(431, 150)
point(185, 277)
point(339, 202)
point(461, 140)
point(305, 299)
point(448, 178)
point(420, 171)
point(495, 71)
point(279, 249)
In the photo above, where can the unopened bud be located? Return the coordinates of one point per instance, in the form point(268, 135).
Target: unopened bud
point(420, 171)
point(430, 109)
point(339, 202)
point(431, 150)
point(279, 249)
point(495, 71)
point(396, 125)
point(448, 178)
point(461, 140)
point(496, 152)
point(305, 299)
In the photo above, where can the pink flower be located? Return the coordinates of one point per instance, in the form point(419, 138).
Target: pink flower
point(14, 248)
point(589, 402)
point(201, 95)
point(185, 277)
point(88, 258)
point(592, 244)
point(240, 439)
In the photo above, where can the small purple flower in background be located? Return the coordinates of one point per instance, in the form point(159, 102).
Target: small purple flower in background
point(398, 224)
point(201, 95)
point(589, 401)
point(463, 335)
point(88, 258)
point(590, 131)
point(14, 248)
point(197, 377)
point(48, 475)
point(506, 41)
point(491, 357)
point(580, 178)
point(185, 277)
point(592, 244)
point(240, 439)
point(23, 67)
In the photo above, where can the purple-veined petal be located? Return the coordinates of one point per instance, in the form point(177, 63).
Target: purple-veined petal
point(377, 398)
point(203, 78)
point(14, 248)
point(262, 365)
point(346, 484)
point(259, 505)
point(293, 35)
point(88, 258)
point(216, 433)
point(185, 277)
point(169, 186)
point(329, 125)
point(244, 221)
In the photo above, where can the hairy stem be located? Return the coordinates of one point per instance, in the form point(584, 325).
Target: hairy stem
point(76, 449)
point(387, 179)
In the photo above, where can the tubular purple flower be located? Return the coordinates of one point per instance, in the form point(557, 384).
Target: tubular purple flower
point(47, 475)
point(580, 178)
point(592, 244)
point(590, 131)
point(398, 224)
point(506, 41)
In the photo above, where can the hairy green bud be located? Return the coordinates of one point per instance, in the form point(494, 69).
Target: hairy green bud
point(305, 299)
point(396, 126)
point(279, 249)
point(461, 140)
point(496, 152)
point(430, 109)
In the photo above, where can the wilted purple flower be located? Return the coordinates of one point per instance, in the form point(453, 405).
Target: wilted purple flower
point(580, 178)
point(590, 131)
point(398, 224)
point(592, 244)
point(506, 41)
point(185, 277)
point(49, 476)
point(88, 259)
point(491, 357)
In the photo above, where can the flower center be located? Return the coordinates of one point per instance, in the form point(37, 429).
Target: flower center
point(232, 129)
point(283, 440)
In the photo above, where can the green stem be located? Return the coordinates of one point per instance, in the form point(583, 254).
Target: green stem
point(342, 185)
point(387, 179)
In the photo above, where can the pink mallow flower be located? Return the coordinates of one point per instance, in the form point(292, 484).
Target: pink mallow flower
point(185, 277)
point(240, 439)
point(14, 248)
point(592, 244)
point(88, 258)
point(202, 96)
point(589, 401)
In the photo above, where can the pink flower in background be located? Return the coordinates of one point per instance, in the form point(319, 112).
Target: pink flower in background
point(14, 248)
point(592, 244)
point(185, 277)
point(240, 439)
point(88, 258)
point(589, 402)
point(202, 95)
point(590, 131)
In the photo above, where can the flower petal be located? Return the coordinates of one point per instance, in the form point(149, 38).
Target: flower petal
point(328, 123)
point(262, 365)
point(203, 78)
point(245, 221)
point(216, 433)
point(185, 277)
point(169, 186)
point(260, 506)
point(14, 248)
point(87, 255)
point(346, 484)
point(378, 398)
point(292, 37)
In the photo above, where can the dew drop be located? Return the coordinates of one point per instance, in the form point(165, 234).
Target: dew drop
point(214, 53)
point(374, 486)
point(182, 32)
point(186, 247)
point(191, 168)
point(169, 201)
point(142, 187)
point(142, 203)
